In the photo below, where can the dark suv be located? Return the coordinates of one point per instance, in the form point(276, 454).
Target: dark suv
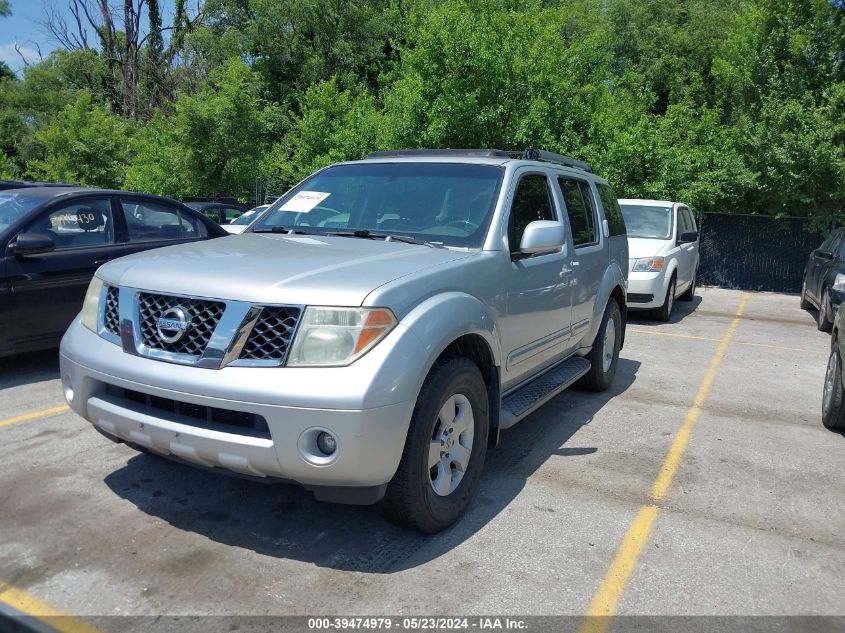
point(824, 279)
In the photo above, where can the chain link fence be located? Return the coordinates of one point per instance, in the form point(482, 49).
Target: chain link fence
point(755, 252)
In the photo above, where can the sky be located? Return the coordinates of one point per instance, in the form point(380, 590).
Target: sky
point(23, 27)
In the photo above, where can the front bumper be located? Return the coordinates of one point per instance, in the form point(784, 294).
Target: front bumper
point(366, 406)
point(646, 291)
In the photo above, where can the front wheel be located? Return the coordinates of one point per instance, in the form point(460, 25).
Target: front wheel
point(833, 400)
point(445, 449)
point(604, 356)
point(823, 321)
point(664, 312)
point(689, 293)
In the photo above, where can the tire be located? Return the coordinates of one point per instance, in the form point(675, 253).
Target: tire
point(411, 498)
point(833, 399)
point(664, 312)
point(823, 321)
point(805, 305)
point(689, 293)
point(604, 360)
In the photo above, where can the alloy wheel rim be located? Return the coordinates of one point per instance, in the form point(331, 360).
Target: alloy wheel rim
point(451, 445)
point(609, 345)
point(829, 377)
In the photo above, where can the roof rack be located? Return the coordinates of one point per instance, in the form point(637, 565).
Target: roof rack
point(528, 154)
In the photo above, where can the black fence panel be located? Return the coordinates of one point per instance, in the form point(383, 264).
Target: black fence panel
point(755, 252)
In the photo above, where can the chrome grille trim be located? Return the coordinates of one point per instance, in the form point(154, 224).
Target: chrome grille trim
point(203, 316)
point(111, 315)
point(270, 336)
point(236, 333)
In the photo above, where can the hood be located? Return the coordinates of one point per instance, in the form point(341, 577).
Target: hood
point(644, 247)
point(270, 268)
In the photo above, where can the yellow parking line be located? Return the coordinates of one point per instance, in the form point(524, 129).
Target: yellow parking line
point(714, 340)
point(43, 413)
point(609, 593)
point(28, 604)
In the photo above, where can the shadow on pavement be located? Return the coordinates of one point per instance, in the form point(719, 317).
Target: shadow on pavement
point(681, 310)
point(285, 521)
point(23, 369)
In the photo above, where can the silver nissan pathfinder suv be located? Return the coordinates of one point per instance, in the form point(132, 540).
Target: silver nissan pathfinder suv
point(370, 334)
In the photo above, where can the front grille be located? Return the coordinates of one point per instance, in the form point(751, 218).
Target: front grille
point(111, 318)
point(271, 336)
point(634, 297)
point(224, 420)
point(202, 316)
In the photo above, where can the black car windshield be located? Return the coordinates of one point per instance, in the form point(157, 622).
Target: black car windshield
point(16, 205)
point(648, 222)
point(450, 204)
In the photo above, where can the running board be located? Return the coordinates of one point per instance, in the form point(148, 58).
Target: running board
point(540, 390)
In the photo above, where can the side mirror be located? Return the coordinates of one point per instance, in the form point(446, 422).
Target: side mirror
point(541, 236)
point(824, 255)
point(32, 244)
point(688, 236)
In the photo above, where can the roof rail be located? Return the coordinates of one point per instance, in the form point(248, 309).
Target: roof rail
point(412, 153)
point(528, 154)
point(560, 159)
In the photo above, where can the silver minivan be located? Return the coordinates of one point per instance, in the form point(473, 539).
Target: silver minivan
point(663, 254)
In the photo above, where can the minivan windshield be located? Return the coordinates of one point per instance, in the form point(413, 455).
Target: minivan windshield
point(16, 205)
point(648, 222)
point(448, 204)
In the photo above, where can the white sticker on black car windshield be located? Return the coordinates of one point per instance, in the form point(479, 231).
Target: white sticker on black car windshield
point(304, 201)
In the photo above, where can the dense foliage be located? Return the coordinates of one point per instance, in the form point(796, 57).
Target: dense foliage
point(731, 106)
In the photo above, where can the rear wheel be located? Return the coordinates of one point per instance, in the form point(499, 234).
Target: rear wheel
point(823, 320)
point(833, 401)
point(604, 356)
point(444, 452)
point(664, 312)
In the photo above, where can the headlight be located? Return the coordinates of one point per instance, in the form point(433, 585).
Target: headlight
point(839, 282)
point(648, 265)
point(338, 336)
point(91, 305)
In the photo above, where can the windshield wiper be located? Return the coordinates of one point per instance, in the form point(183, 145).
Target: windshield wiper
point(387, 237)
point(282, 229)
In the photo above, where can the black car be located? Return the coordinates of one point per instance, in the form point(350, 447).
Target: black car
point(220, 212)
point(53, 239)
point(824, 279)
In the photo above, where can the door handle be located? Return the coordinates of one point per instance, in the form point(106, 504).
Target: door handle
point(103, 260)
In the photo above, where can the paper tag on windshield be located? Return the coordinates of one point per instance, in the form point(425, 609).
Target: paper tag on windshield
point(304, 201)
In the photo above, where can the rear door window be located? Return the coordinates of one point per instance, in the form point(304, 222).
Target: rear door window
point(581, 211)
point(148, 221)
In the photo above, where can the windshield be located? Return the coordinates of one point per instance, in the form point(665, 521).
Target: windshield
point(14, 206)
point(249, 216)
point(441, 203)
point(648, 222)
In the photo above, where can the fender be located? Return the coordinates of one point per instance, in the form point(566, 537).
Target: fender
point(613, 277)
point(443, 318)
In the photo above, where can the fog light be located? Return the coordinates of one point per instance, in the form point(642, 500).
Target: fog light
point(326, 443)
point(68, 389)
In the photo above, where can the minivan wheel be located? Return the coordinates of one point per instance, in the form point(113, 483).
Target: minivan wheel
point(444, 452)
point(833, 400)
point(823, 321)
point(604, 356)
point(689, 293)
point(664, 312)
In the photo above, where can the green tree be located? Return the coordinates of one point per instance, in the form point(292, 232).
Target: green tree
point(85, 143)
point(212, 143)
